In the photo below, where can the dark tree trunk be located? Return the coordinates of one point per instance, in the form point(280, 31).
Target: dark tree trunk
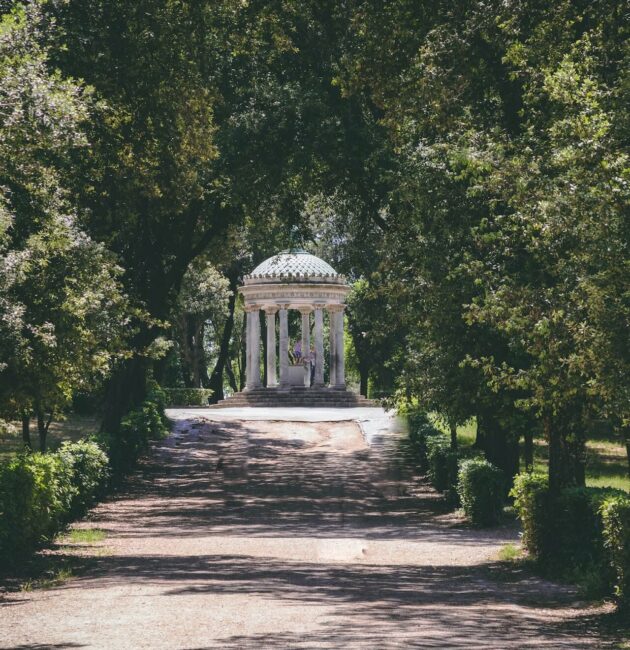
point(500, 446)
point(626, 436)
point(192, 354)
point(453, 431)
point(364, 378)
point(528, 448)
point(223, 362)
point(42, 430)
point(125, 390)
point(26, 431)
point(230, 373)
point(199, 354)
point(553, 435)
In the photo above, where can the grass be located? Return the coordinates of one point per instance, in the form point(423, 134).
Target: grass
point(74, 427)
point(510, 553)
point(606, 458)
point(466, 433)
point(84, 536)
point(55, 578)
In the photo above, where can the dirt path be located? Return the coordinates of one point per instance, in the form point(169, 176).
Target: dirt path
point(280, 534)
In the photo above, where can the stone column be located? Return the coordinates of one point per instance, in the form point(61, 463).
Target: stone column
point(340, 370)
point(253, 347)
point(306, 342)
point(271, 346)
point(284, 346)
point(332, 319)
point(248, 348)
point(319, 346)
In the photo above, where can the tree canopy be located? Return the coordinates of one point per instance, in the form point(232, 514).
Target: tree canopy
point(465, 164)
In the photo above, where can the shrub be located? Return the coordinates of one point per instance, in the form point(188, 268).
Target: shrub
point(582, 534)
point(157, 396)
point(615, 513)
point(442, 464)
point(137, 429)
point(36, 493)
point(531, 496)
point(420, 432)
point(480, 487)
point(90, 471)
point(187, 396)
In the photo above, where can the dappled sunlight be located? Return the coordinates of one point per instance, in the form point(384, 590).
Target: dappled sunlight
point(280, 534)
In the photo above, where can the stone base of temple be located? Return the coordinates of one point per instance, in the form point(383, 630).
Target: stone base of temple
point(296, 396)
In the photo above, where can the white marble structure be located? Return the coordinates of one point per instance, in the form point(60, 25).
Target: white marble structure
point(294, 280)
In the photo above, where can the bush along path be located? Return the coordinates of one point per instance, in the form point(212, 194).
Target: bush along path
point(41, 493)
point(312, 534)
point(580, 535)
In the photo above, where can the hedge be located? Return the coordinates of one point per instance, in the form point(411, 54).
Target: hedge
point(421, 430)
point(443, 464)
point(187, 396)
point(580, 531)
point(90, 473)
point(480, 487)
point(615, 513)
point(40, 493)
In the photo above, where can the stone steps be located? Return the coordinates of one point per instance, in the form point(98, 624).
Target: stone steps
point(295, 397)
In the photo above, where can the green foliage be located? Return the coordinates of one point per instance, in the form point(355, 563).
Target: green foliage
point(187, 396)
point(530, 494)
point(480, 486)
point(36, 495)
point(615, 513)
point(138, 428)
point(503, 257)
point(581, 533)
point(443, 465)
point(62, 312)
point(90, 473)
point(421, 430)
point(40, 493)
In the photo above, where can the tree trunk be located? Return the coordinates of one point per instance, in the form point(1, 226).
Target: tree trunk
point(453, 431)
point(554, 440)
point(26, 431)
point(126, 389)
point(199, 354)
point(499, 446)
point(626, 433)
point(230, 373)
point(528, 449)
point(364, 374)
point(42, 430)
point(216, 378)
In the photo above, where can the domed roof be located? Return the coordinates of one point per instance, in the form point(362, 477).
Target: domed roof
point(293, 263)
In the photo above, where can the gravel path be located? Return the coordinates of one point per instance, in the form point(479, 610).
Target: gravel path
point(305, 531)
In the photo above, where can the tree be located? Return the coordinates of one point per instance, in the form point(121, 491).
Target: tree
point(202, 303)
point(504, 236)
point(61, 306)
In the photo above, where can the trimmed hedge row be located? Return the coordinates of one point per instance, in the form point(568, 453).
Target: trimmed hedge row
point(421, 431)
point(187, 396)
point(480, 486)
point(581, 531)
point(40, 493)
point(463, 476)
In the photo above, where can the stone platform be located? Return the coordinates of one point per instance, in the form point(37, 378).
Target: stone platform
point(295, 396)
